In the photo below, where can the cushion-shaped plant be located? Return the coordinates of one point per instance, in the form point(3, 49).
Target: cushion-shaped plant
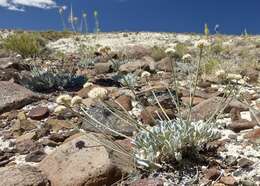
point(51, 80)
point(169, 140)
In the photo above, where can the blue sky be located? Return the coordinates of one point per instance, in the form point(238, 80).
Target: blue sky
point(233, 16)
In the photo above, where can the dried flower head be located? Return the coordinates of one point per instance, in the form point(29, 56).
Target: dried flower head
point(64, 99)
point(186, 57)
point(62, 9)
point(105, 50)
point(84, 14)
point(95, 13)
point(170, 51)
point(88, 84)
point(97, 93)
point(75, 19)
point(161, 73)
point(59, 109)
point(234, 77)
point(145, 74)
point(201, 43)
point(220, 74)
point(76, 100)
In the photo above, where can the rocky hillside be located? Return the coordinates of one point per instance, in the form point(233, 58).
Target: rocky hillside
point(129, 109)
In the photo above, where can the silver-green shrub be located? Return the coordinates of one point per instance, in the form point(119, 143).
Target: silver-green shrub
point(169, 140)
point(129, 80)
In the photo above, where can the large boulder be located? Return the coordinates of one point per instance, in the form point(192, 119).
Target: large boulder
point(14, 96)
point(81, 160)
point(21, 176)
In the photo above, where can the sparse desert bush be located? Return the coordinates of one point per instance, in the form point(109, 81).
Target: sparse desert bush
point(211, 65)
point(52, 79)
point(25, 44)
point(217, 48)
point(158, 53)
point(180, 50)
point(55, 35)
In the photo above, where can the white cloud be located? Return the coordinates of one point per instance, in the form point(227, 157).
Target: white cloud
point(19, 5)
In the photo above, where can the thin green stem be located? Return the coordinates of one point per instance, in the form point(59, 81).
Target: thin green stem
point(195, 83)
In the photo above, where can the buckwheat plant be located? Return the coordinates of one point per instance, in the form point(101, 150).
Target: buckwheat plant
point(171, 140)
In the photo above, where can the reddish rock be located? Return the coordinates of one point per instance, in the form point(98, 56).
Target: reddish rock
point(254, 135)
point(207, 108)
point(235, 114)
point(125, 102)
point(204, 84)
point(126, 144)
point(244, 163)
point(35, 156)
point(137, 51)
point(22, 175)
point(27, 146)
point(252, 74)
point(196, 100)
point(211, 90)
point(80, 161)
point(102, 68)
point(148, 182)
point(150, 113)
point(84, 91)
point(14, 96)
point(241, 124)
point(39, 113)
point(201, 94)
point(165, 64)
point(146, 63)
point(212, 173)
point(228, 180)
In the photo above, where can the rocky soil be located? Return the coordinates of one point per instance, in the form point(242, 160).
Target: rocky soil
point(41, 146)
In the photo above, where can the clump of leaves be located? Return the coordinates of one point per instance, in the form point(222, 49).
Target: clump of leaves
point(180, 50)
point(158, 53)
point(118, 61)
point(171, 140)
point(217, 48)
point(25, 44)
point(51, 80)
point(129, 80)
